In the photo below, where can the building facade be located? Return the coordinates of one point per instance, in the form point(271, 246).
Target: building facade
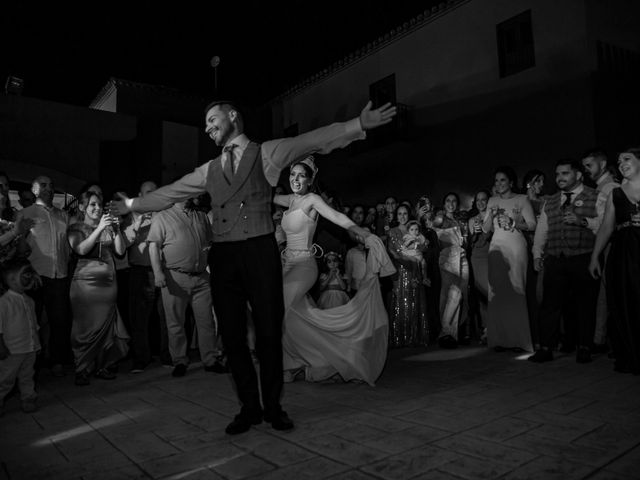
point(479, 83)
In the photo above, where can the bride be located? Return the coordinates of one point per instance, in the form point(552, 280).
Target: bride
point(348, 341)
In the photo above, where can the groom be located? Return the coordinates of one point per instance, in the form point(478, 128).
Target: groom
point(244, 260)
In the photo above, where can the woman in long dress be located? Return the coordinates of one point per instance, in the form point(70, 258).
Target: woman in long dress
point(508, 215)
point(621, 223)
point(98, 335)
point(425, 215)
point(348, 342)
point(408, 325)
point(479, 255)
point(451, 228)
point(533, 184)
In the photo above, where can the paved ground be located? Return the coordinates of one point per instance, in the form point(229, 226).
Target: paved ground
point(462, 414)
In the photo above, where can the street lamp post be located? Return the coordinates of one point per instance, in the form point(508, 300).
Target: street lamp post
point(215, 61)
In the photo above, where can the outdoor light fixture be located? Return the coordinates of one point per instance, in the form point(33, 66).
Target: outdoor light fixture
point(13, 86)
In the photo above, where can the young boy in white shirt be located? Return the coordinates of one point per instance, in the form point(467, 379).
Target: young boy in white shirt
point(19, 340)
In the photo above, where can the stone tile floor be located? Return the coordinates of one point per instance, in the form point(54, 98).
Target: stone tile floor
point(462, 414)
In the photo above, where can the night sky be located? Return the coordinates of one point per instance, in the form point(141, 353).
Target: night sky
point(66, 51)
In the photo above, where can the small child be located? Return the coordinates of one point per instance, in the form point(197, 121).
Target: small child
point(355, 266)
point(333, 288)
point(412, 244)
point(19, 340)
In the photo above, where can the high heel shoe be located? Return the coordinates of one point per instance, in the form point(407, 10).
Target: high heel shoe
point(290, 376)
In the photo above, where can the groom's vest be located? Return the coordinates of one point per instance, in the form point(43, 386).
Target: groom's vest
point(570, 239)
point(240, 209)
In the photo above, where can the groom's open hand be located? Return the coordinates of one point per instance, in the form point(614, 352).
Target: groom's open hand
point(374, 118)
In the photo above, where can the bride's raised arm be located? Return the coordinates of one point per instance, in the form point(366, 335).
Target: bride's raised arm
point(282, 200)
point(336, 217)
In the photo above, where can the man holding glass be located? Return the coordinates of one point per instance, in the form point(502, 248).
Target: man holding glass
point(565, 236)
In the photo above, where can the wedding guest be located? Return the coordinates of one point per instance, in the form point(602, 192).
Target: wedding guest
point(479, 255)
point(50, 259)
point(98, 336)
point(144, 297)
point(19, 341)
point(454, 270)
point(387, 218)
point(179, 240)
point(508, 215)
point(355, 266)
point(621, 224)
point(333, 285)
point(408, 322)
point(13, 241)
point(562, 245)
point(533, 185)
point(370, 218)
point(413, 246)
point(7, 212)
point(26, 198)
point(595, 163)
point(425, 215)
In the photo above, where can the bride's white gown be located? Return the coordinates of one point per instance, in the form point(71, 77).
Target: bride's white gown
point(350, 339)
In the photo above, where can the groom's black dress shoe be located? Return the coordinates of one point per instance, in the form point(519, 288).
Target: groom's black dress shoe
point(242, 423)
point(279, 421)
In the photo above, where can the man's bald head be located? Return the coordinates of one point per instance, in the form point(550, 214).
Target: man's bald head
point(43, 188)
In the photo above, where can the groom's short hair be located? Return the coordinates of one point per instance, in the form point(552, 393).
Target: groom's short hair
point(225, 105)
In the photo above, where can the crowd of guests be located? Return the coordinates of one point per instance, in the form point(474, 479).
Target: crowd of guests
point(84, 289)
point(521, 270)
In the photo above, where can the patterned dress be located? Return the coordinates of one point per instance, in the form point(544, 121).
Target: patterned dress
point(408, 325)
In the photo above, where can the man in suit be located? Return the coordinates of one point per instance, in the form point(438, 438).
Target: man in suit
point(244, 259)
point(565, 234)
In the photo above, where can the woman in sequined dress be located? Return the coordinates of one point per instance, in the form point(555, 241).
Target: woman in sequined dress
point(621, 224)
point(346, 342)
point(408, 324)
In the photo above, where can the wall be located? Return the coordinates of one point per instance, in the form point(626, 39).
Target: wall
point(452, 58)
point(63, 141)
point(179, 150)
point(465, 119)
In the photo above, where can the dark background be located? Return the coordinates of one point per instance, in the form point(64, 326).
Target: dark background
point(66, 52)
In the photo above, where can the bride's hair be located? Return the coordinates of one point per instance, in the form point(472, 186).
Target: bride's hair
point(310, 168)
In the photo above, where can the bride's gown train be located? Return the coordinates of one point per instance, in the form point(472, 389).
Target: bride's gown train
point(349, 339)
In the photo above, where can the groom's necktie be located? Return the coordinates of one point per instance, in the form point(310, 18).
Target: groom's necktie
point(227, 161)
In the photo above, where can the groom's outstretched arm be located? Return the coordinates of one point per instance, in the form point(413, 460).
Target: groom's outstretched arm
point(278, 154)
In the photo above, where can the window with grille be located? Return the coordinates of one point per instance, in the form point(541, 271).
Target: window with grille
point(516, 51)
